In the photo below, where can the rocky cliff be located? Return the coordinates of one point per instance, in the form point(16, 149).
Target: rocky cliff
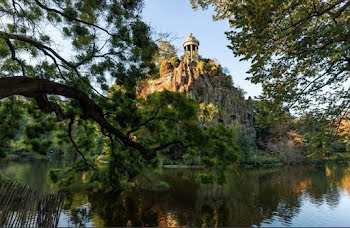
point(212, 89)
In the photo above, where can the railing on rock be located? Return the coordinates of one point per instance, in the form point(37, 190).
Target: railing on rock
point(20, 206)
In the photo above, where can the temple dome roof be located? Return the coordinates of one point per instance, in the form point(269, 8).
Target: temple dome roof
point(190, 40)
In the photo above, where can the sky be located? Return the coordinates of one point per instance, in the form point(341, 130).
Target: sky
point(179, 19)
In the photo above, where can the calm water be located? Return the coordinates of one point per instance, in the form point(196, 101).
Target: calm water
point(288, 196)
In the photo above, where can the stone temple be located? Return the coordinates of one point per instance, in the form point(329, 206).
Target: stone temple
point(191, 45)
point(203, 81)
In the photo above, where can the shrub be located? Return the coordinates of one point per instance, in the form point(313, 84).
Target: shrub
point(267, 160)
point(250, 159)
point(207, 112)
point(258, 160)
point(338, 147)
point(54, 175)
point(3, 178)
point(191, 160)
point(341, 157)
point(200, 65)
point(168, 161)
point(175, 61)
point(348, 147)
point(210, 67)
point(205, 178)
point(163, 185)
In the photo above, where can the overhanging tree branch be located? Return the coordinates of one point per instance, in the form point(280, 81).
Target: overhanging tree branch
point(33, 87)
point(40, 88)
point(45, 49)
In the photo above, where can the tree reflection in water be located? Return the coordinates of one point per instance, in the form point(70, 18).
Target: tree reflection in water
point(251, 197)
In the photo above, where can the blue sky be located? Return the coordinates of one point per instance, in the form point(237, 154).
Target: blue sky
point(178, 18)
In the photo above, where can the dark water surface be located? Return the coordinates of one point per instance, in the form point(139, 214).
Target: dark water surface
point(287, 196)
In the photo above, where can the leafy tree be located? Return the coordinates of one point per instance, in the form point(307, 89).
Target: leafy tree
point(165, 51)
point(10, 123)
point(299, 49)
point(318, 132)
point(269, 115)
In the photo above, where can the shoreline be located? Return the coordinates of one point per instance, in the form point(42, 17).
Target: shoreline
point(313, 163)
point(29, 157)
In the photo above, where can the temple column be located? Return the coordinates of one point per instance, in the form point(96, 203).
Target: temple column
point(191, 46)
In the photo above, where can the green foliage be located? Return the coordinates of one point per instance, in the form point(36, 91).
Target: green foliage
point(209, 66)
point(163, 185)
point(348, 147)
point(175, 61)
point(221, 148)
point(164, 120)
point(261, 160)
point(318, 132)
point(338, 147)
point(205, 178)
point(207, 112)
point(246, 144)
point(268, 115)
point(55, 175)
point(340, 157)
point(11, 112)
point(164, 57)
point(37, 132)
point(170, 119)
point(2, 178)
point(267, 160)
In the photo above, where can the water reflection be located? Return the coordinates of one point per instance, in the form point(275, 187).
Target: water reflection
point(32, 173)
point(288, 196)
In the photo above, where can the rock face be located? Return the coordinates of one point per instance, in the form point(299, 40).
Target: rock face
point(207, 89)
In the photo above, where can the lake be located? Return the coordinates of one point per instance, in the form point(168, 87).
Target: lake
point(284, 196)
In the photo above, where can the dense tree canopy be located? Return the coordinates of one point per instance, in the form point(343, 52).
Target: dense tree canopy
point(72, 49)
point(300, 50)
